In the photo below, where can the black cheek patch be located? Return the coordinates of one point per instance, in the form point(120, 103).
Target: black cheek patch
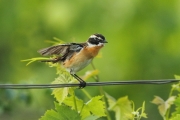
point(93, 41)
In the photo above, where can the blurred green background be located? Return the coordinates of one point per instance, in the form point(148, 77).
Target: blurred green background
point(144, 43)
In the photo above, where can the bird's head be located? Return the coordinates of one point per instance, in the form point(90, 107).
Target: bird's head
point(96, 40)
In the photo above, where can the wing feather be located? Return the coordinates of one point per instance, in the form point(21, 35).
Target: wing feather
point(55, 50)
point(63, 49)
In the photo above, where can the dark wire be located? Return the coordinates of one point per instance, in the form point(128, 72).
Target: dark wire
point(44, 86)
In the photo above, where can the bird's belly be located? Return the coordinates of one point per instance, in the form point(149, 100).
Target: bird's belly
point(79, 66)
point(76, 64)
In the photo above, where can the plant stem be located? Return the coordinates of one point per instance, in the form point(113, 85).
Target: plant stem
point(102, 93)
point(86, 93)
point(81, 109)
point(166, 117)
point(96, 77)
point(75, 101)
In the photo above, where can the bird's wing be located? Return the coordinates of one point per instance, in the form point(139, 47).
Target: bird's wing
point(55, 50)
point(62, 49)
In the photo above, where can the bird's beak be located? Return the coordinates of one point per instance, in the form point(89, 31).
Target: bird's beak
point(105, 41)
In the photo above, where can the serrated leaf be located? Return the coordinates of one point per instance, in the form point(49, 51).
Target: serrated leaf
point(121, 107)
point(70, 101)
point(177, 104)
point(85, 113)
point(163, 105)
point(95, 103)
point(176, 87)
point(95, 106)
point(177, 101)
point(93, 109)
point(125, 108)
point(91, 117)
point(176, 117)
point(61, 93)
point(61, 113)
point(50, 115)
point(67, 113)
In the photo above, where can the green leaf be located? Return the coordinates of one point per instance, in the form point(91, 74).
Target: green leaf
point(92, 110)
point(163, 105)
point(176, 117)
point(67, 113)
point(158, 100)
point(91, 117)
point(61, 113)
point(176, 86)
point(177, 77)
point(61, 93)
point(177, 104)
point(50, 115)
point(72, 101)
point(75, 102)
point(96, 106)
point(124, 104)
point(121, 107)
point(111, 101)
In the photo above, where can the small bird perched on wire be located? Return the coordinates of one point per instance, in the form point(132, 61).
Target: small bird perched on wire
point(75, 56)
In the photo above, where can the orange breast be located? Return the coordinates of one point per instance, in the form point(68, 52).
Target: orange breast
point(91, 51)
point(82, 58)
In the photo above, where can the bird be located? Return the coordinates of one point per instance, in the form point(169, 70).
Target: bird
point(75, 56)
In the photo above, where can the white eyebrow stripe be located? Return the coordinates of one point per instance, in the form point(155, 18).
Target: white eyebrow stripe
point(100, 38)
point(93, 36)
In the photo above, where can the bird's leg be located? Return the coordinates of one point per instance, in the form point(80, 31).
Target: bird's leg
point(82, 82)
